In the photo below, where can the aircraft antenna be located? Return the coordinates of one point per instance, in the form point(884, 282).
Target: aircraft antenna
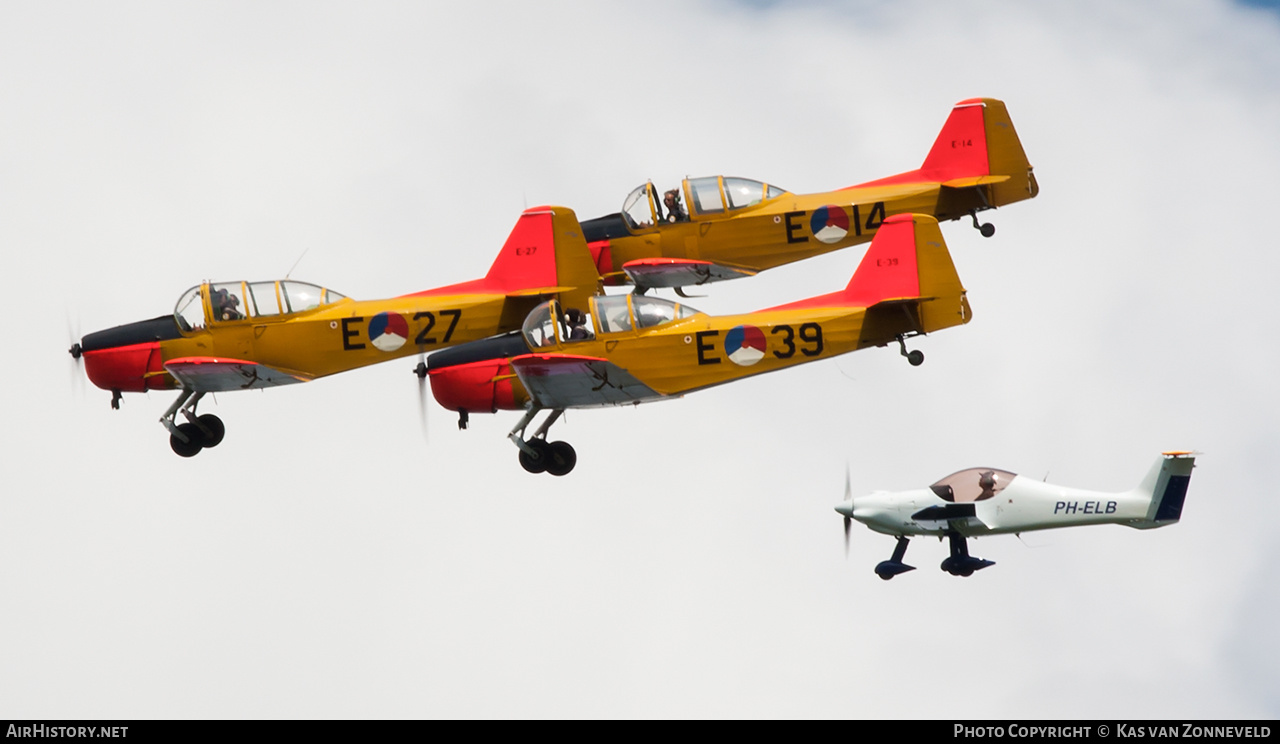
point(295, 263)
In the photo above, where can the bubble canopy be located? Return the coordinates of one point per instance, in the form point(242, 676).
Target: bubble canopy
point(974, 484)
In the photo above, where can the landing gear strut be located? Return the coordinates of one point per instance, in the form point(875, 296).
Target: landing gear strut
point(199, 432)
point(986, 228)
point(894, 566)
point(960, 563)
point(537, 455)
point(915, 357)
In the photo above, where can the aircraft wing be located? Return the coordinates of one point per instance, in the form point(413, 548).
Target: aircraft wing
point(950, 513)
point(571, 381)
point(679, 272)
point(216, 375)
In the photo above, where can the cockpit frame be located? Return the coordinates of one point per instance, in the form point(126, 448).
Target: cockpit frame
point(217, 303)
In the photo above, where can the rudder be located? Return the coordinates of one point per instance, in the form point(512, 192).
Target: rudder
point(1166, 486)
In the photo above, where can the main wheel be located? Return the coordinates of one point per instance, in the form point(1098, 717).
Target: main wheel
point(217, 430)
point(194, 443)
point(987, 230)
point(538, 462)
point(562, 458)
point(915, 358)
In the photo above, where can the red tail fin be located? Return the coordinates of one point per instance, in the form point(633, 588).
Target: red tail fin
point(977, 140)
point(907, 260)
point(961, 148)
point(544, 254)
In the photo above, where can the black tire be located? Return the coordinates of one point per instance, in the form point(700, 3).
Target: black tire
point(536, 463)
point(987, 230)
point(217, 430)
point(561, 459)
point(193, 445)
point(915, 358)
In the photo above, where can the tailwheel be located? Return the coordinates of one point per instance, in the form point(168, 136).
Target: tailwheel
point(915, 357)
point(561, 458)
point(213, 429)
point(986, 228)
point(539, 460)
point(191, 446)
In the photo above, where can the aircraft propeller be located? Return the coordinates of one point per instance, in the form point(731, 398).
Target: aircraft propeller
point(77, 378)
point(848, 520)
point(421, 372)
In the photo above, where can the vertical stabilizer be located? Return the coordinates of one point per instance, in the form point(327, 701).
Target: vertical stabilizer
point(907, 280)
point(1166, 486)
point(545, 254)
point(977, 148)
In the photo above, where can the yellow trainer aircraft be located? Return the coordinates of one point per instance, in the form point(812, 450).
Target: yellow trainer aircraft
point(247, 335)
point(631, 348)
point(736, 227)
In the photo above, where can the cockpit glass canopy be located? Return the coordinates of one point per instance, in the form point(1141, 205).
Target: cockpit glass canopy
point(974, 484)
point(549, 324)
point(241, 300)
point(617, 313)
point(645, 206)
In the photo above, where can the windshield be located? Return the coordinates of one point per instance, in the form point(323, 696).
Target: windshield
point(639, 207)
point(189, 311)
point(539, 327)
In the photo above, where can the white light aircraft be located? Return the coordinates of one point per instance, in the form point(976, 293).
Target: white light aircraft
point(984, 501)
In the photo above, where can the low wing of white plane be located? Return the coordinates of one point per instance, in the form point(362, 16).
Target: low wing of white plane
point(987, 501)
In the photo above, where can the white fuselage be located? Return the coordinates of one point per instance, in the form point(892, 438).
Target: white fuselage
point(1021, 506)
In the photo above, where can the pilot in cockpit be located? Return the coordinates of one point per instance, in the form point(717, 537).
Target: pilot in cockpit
point(226, 305)
point(576, 322)
point(675, 211)
point(987, 481)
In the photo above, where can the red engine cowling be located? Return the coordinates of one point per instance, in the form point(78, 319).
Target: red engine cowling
point(131, 369)
point(479, 387)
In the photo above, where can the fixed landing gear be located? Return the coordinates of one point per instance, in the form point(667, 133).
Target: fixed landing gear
point(894, 566)
point(915, 357)
point(537, 455)
point(960, 563)
point(986, 228)
point(201, 431)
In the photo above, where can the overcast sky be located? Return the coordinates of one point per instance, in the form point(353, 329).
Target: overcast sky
point(325, 561)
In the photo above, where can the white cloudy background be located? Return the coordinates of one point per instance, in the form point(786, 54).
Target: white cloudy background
point(326, 562)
